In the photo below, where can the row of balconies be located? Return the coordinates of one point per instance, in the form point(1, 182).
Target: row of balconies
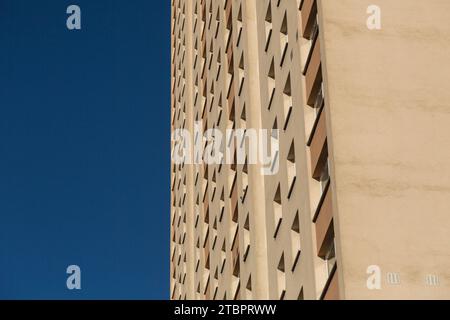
point(323, 217)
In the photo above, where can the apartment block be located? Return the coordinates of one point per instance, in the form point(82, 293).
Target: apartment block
point(357, 201)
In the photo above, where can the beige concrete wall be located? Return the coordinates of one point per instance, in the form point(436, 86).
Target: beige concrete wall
point(298, 278)
point(388, 111)
point(210, 263)
point(388, 115)
point(257, 252)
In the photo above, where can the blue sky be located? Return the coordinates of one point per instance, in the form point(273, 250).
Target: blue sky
point(84, 149)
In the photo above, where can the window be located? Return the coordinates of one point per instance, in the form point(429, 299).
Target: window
point(239, 26)
point(246, 233)
point(234, 226)
point(241, 74)
point(325, 176)
point(277, 210)
point(301, 295)
point(315, 28)
point(330, 257)
point(268, 24)
point(222, 205)
point(287, 101)
point(281, 278)
point(291, 169)
point(271, 83)
point(214, 233)
point(249, 288)
point(244, 181)
point(284, 39)
point(223, 257)
point(295, 241)
point(319, 101)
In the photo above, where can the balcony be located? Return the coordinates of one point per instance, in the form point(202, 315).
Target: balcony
point(230, 61)
point(331, 290)
point(228, 11)
point(313, 74)
point(234, 193)
point(235, 248)
point(318, 147)
point(230, 89)
point(206, 211)
point(309, 12)
point(323, 220)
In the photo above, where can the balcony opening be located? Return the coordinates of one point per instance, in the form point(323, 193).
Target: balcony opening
point(291, 169)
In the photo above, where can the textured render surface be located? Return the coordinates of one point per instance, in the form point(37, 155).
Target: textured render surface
point(387, 115)
point(218, 233)
point(299, 276)
point(206, 260)
point(389, 134)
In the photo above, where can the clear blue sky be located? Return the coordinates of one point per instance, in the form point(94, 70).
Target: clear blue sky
point(84, 149)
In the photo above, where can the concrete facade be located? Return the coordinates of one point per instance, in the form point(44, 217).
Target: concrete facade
point(388, 111)
point(363, 187)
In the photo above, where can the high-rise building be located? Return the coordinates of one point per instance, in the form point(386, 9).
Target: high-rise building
point(356, 204)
